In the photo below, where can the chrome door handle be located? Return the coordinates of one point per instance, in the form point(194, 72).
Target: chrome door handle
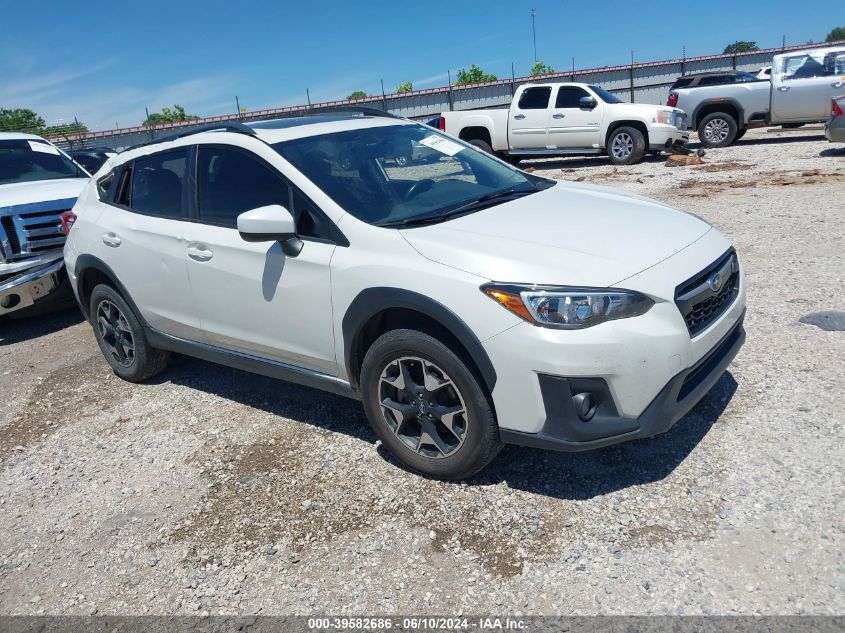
point(111, 239)
point(519, 117)
point(836, 84)
point(199, 253)
point(558, 115)
point(783, 88)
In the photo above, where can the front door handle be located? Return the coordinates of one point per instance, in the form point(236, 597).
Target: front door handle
point(836, 84)
point(199, 253)
point(558, 115)
point(519, 117)
point(111, 239)
point(783, 88)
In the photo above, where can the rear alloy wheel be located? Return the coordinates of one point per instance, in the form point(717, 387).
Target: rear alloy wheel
point(717, 130)
point(626, 146)
point(121, 337)
point(427, 407)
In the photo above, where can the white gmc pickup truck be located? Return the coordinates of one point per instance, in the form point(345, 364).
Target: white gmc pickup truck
point(569, 118)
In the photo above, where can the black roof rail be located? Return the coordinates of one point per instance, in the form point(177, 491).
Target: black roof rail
point(363, 110)
point(228, 126)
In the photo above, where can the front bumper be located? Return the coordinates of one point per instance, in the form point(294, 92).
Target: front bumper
point(661, 136)
point(23, 290)
point(834, 130)
point(564, 431)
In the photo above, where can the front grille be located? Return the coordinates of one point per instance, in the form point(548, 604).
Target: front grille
point(30, 234)
point(705, 297)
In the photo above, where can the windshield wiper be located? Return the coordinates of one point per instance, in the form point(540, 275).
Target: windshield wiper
point(464, 208)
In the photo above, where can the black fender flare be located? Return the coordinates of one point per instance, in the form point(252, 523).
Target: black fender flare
point(85, 263)
point(372, 301)
point(694, 119)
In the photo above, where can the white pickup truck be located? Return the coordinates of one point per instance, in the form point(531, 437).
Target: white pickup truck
point(39, 184)
point(558, 119)
point(800, 91)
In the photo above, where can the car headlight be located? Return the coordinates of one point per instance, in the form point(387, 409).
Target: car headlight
point(568, 308)
point(664, 116)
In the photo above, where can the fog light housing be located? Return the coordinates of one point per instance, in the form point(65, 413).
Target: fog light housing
point(585, 405)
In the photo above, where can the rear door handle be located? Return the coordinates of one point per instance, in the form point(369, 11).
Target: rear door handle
point(783, 88)
point(199, 253)
point(558, 115)
point(519, 117)
point(111, 239)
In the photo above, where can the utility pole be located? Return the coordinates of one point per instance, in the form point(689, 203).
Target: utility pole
point(534, 31)
point(238, 106)
point(783, 43)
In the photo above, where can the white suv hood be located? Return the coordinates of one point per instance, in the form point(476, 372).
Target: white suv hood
point(570, 234)
point(18, 193)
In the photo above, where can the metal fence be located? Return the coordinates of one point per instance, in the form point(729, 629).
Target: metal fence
point(647, 82)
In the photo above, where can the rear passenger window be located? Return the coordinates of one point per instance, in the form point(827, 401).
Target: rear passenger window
point(230, 182)
point(535, 98)
point(157, 184)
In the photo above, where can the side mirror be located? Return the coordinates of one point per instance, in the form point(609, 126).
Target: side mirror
point(587, 102)
point(272, 223)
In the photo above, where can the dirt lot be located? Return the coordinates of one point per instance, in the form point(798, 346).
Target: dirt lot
point(211, 490)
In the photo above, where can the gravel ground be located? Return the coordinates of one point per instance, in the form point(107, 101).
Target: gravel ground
point(209, 490)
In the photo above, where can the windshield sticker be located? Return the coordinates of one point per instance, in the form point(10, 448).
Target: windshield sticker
point(35, 146)
point(442, 145)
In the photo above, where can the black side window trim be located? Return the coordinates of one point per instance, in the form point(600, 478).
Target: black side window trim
point(335, 234)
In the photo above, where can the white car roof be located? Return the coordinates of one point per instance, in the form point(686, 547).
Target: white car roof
point(17, 136)
point(270, 131)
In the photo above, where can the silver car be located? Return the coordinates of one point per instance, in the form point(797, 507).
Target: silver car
point(834, 129)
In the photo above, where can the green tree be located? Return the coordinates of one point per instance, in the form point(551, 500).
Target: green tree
point(539, 68)
point(838, 33)
point(170, 116)
point(740, 46)
point(473, 76)
point(358, 94)
point(21, 120)
point(405, 86)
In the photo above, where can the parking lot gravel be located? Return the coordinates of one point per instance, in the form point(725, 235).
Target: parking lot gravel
point(212, 491)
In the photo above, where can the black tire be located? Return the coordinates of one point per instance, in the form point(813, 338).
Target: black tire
point(484, 146)
point(717, 129)
point(408, 353)
point(740, 134)
point(144, 361)
point(626, 146)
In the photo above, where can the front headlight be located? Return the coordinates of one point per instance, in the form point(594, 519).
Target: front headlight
point(568, 308)
point(666, 117)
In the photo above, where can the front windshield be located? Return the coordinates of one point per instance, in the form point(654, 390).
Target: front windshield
point(401, 174)
point(25, 160)
point(605, 96)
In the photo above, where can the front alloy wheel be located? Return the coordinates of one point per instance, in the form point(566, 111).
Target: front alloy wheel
point(623, 147)
point(423, 407)
point(427, 406)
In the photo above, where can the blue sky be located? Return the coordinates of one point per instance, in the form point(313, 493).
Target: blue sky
point(104, 62)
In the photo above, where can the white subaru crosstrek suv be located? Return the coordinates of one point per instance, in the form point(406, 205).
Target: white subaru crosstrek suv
point(466, 303)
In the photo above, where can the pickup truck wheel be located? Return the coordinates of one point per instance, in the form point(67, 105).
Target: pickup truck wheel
point(427, 407)
point(626, 146)
point(717, 130)
point(484, 146)
point(121, 337)
point(740, 134)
